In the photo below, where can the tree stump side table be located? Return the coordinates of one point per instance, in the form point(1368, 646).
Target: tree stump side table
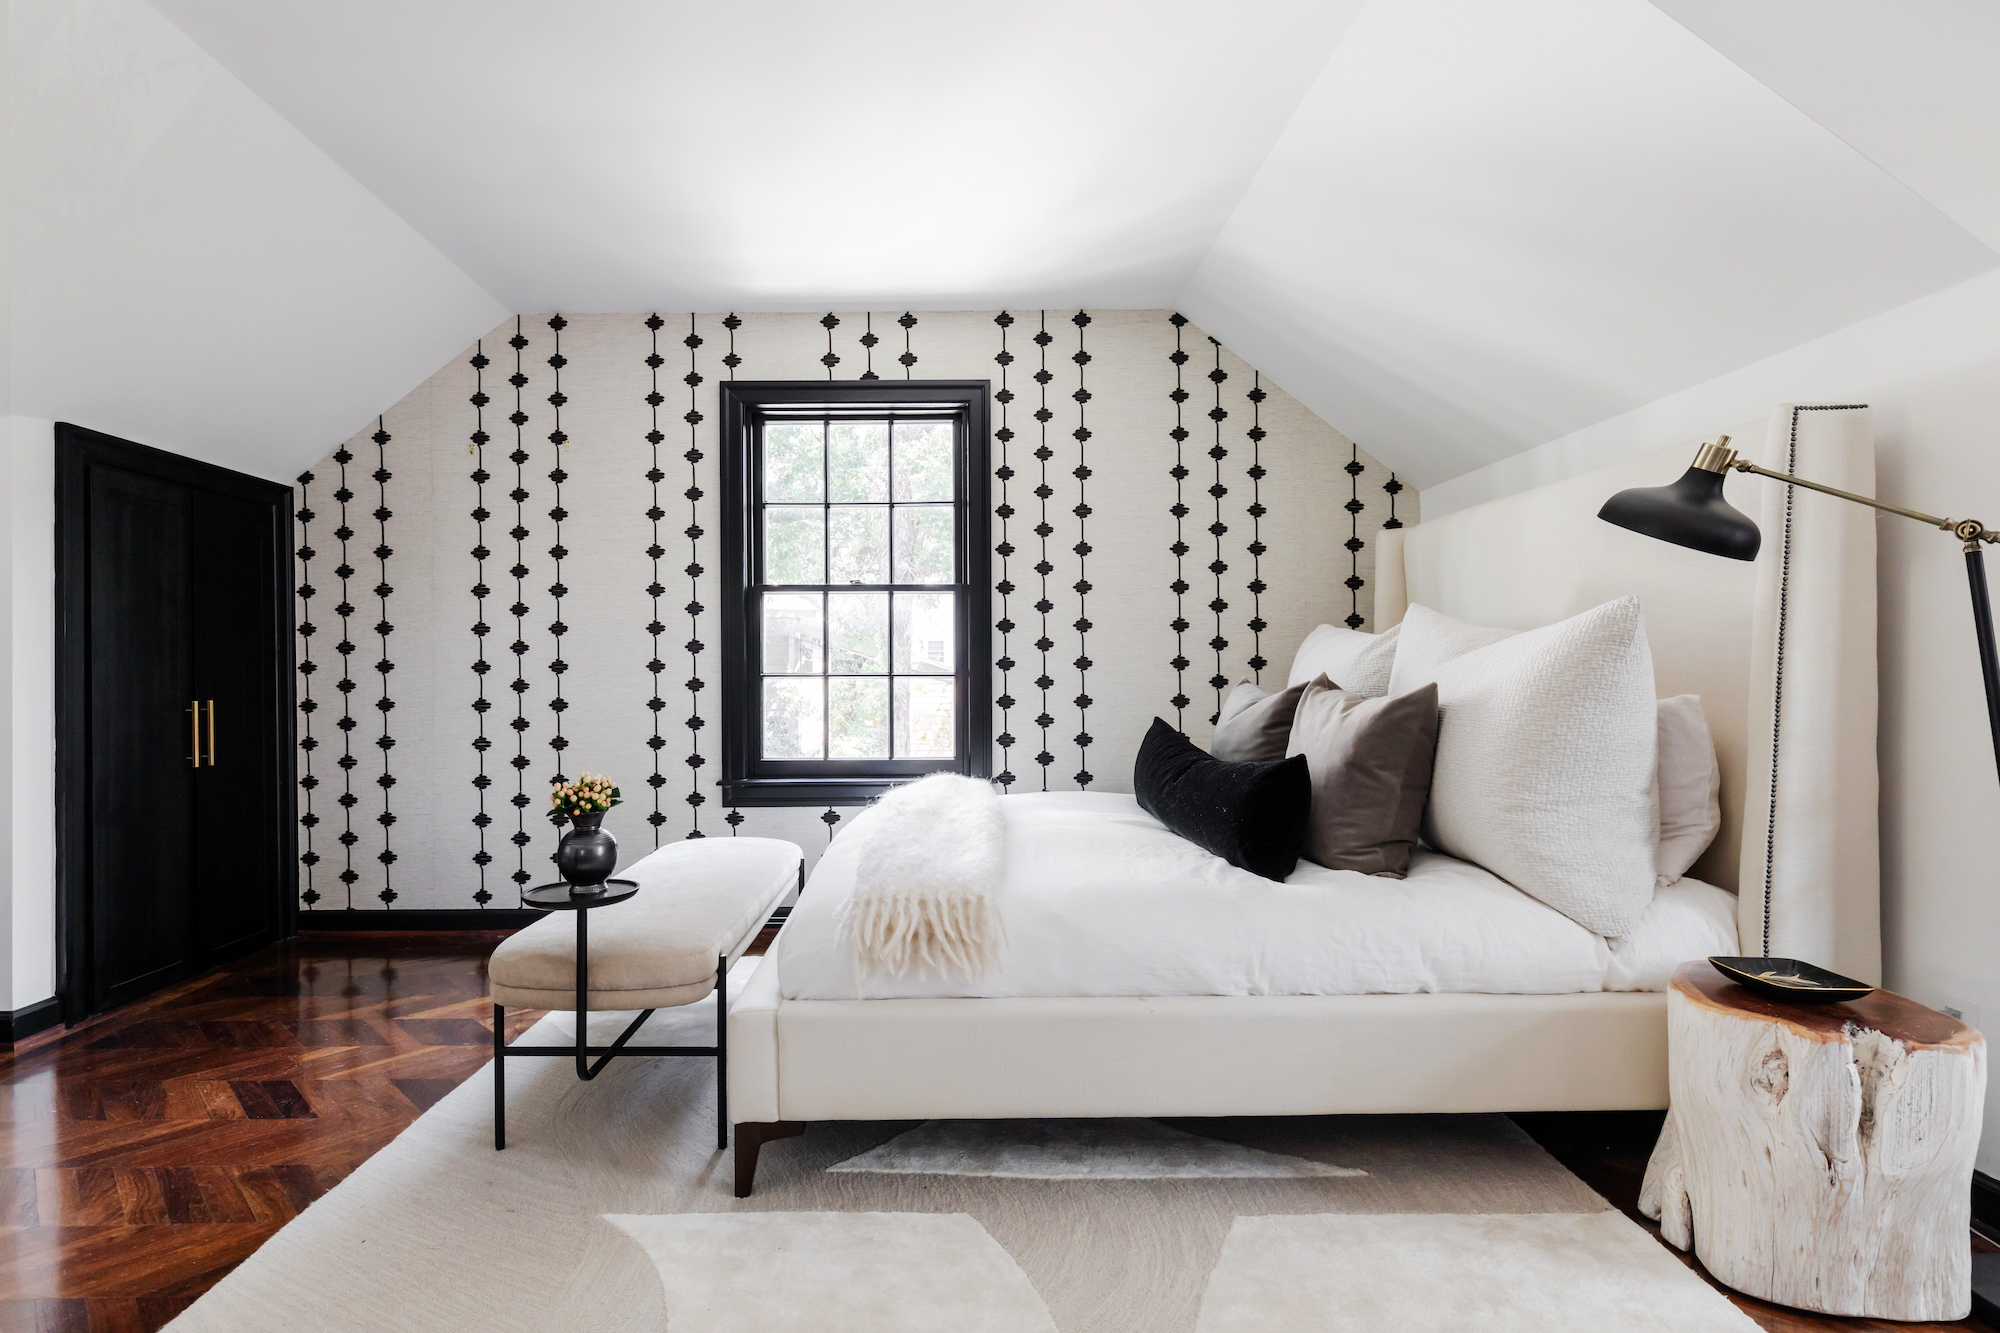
point(1820, 1156)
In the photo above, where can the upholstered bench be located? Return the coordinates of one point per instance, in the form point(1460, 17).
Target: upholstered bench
point(665, 937)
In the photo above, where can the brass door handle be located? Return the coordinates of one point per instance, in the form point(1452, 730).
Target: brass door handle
point(193, 710)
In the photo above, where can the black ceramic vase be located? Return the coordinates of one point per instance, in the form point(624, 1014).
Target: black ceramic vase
point(587, 854)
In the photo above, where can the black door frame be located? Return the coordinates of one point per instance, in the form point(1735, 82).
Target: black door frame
point(76, 449)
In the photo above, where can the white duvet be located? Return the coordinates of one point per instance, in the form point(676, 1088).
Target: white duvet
point(1099, 898)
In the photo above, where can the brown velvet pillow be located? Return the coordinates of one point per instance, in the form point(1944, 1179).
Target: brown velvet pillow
point(1254, 727)
point(1371, 774)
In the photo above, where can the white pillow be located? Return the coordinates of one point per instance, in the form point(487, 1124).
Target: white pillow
point(1546, 749)
point(1442, 640)
point(1690, 787)
point(1358, 663)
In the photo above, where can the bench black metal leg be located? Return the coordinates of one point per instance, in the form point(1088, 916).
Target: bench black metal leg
point(499, 1077)
point(722, 1051)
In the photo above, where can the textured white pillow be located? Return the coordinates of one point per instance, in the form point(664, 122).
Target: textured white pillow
point(1690, 787)
point(1545, 760)
point(1356, 662)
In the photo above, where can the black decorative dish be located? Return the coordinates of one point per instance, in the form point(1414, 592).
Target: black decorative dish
point(1789, 980)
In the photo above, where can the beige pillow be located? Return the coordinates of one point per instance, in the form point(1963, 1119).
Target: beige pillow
point(1356, 662)
point(1370, 761)
point(1254, 725)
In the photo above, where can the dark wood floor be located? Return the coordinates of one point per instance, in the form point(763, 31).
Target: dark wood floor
point(144, 1154)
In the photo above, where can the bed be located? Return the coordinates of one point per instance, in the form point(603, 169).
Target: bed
point(1463, 995)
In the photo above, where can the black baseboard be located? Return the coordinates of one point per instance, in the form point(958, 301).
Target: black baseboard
point(423, 918)
point(24, 1023)
point(1986, 1204)
point(1986, 1267)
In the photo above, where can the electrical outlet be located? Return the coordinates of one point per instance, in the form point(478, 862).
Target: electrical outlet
point(1964, 1010)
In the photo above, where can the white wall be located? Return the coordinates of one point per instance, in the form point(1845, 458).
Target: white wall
point(27, 712)
point(1931, 371)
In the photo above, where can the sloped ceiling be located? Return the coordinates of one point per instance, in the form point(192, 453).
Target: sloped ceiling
point(187, 269)
point(790, 154)
point(1490, 225)
point(1455, 229)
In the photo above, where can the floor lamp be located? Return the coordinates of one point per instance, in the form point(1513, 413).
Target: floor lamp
point(1692, 513)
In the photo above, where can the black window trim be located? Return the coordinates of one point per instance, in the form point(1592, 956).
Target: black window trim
point(747, 779)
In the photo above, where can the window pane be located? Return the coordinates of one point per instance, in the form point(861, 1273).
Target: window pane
point(924, 632)
point(794, 544)
point(860, 721)
point(923, 544)
point(792, 636)
point(858, 625)
point(792, 719)
point(923, 460)
point(858, 460)
point(793, 467)
point(923, 718)
point(858, 538)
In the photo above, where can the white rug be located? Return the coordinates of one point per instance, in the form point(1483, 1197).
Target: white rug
point(1077, 1150)
point(437, 1233)
point(817, 1272)
point(1546, 1273)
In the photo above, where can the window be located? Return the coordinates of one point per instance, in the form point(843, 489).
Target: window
point(855, 588)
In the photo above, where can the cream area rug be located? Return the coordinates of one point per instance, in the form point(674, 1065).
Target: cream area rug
point(611, 1210)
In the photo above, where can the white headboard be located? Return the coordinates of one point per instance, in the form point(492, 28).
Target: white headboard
point(1799, 722)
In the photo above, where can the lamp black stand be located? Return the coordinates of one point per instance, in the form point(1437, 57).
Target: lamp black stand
point(1692, 513)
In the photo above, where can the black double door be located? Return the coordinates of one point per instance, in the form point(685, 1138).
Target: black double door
point(174, 799)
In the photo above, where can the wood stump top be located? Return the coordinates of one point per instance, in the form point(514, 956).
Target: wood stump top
point(1895, 1016)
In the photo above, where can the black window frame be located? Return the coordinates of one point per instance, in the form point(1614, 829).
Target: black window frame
point(748, 779)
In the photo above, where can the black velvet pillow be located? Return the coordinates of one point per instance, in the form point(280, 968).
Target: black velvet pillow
point(1254, 816)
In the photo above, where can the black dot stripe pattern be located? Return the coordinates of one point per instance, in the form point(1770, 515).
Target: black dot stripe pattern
point(481, 705)
point(308, 820)
point(655, 590)
point(558, 552)
point(519, 457)
point(694, 571)
point(1394, 488)
point(868, 342)
point(1257, 511)
point(1004, 511)
point(829, 321)
point(348, 722)
point(383, 666)
point(1179, 472)
point(908, 359)
point(1082, 549)
point(1218, 530)
point(730, 360)
point(1355, 583)
point(1044, 682)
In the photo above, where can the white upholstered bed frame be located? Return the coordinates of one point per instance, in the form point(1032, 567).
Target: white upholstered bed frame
point(1782, 652)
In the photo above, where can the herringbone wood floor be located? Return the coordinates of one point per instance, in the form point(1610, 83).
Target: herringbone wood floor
point(144, 1154)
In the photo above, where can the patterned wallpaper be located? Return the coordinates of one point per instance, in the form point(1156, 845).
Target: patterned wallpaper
point(512, 573)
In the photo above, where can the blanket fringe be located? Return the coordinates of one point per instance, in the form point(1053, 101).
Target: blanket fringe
point(926, 881)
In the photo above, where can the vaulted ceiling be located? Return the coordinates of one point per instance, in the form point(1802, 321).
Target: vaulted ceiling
point(1455, 229)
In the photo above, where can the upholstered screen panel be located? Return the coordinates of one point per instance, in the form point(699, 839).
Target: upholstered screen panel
point(1540, 556)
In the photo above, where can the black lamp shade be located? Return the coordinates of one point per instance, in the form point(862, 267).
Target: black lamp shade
point(1690, 513)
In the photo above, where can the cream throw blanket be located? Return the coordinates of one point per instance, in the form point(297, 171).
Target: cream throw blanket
point(927, 880)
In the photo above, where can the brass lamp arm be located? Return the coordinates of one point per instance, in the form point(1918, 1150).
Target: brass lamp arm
point(1968, 530)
